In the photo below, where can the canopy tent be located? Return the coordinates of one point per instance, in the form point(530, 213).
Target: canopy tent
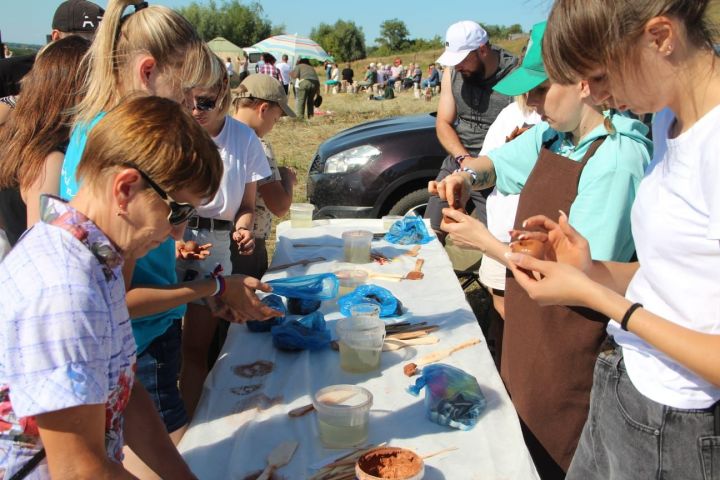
point(294, 46)
point(225, 48)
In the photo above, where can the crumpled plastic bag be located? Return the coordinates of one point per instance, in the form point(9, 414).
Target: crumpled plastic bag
point(452, 396)
point(274, 302)
point(320, 286)
point(408, 230)
point(390, 306)
point(308, 333)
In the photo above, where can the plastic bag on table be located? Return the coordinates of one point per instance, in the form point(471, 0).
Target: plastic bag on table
point(452, 396)
point(308, 333)
point(390, 306)
point(272, 301)
point(321, 286)
point(408, 230)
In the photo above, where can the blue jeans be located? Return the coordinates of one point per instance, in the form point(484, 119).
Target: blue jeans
point(628, 436)
point(158, 367)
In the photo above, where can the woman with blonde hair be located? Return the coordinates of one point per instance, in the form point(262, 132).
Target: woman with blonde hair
point(36, 136)
point(655, 406)
point(154, 50)
point(67, 390)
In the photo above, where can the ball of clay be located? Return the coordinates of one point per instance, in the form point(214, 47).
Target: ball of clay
point(529, 246)
point(191, 246)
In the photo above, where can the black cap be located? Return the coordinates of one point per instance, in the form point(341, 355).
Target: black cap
point(77, 16)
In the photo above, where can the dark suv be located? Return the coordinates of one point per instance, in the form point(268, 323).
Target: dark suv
point(376, 168)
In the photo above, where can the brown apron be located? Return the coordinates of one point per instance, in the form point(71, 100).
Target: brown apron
point(548, 353)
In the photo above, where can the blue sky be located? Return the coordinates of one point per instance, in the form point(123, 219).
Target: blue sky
point(28, 21)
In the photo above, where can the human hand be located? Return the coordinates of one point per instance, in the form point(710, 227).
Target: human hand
point(466, 231)
point(289, 174)
point(240, 296)
point(552, 283)
point(563, 243)
point(245, 241)
point(455, 189)
point(190, 250)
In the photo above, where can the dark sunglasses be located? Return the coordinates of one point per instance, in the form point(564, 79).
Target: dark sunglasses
point(179, 212)
point(205, 104)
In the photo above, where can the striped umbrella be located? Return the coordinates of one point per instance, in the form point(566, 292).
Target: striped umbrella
point(293, 46)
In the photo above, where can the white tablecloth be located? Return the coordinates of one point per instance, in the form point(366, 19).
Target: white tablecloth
point(229, 439)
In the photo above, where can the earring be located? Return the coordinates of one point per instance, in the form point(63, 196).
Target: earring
point(669, 50)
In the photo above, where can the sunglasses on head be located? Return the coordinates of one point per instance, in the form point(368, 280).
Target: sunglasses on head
point(179, 212)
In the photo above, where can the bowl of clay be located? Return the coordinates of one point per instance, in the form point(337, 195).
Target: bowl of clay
point(390, 463)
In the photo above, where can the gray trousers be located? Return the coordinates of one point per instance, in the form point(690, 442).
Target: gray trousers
point(628, 436)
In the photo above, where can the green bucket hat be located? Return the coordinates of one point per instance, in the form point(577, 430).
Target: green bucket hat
point(531, 71)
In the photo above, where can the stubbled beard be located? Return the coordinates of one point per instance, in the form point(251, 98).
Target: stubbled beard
point(476, 76)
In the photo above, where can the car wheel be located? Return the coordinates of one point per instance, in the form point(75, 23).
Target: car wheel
point(414, 202)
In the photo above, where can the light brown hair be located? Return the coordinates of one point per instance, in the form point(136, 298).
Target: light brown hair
point(40, 123)
point(583, 35)
point(160, 137)
point(155, 30)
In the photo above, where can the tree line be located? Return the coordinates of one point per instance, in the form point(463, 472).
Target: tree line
point(247, 24)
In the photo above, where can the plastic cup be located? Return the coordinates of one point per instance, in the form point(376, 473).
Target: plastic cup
point(343, 415)
point(301, 215)
point(360, 341)
point(388, 220)
point(356, 245)
point(350, 279)
point(362, 310)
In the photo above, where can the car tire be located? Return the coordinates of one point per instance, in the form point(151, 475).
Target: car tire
point(414, 201)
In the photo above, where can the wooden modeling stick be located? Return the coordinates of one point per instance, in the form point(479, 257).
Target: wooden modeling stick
point(411, 368)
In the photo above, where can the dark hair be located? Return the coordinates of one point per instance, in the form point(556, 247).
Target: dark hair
point(583, 35)
point(40, 123)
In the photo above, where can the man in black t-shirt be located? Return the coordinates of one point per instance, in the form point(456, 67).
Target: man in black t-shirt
point(347, 77)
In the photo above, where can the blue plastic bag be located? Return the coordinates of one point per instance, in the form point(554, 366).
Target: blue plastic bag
point(390, 306)
point(452, 396)
point(308, 333)
point(274, 302)
point(408, 230)
point(321, 286)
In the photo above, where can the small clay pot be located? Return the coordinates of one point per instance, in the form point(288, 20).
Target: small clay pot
point(529, 246)
point(390, 463)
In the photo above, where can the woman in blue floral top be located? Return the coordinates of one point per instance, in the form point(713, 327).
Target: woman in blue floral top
point(68, 402)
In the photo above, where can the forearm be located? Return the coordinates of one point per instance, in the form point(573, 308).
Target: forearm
point(244, 219)
point(145, 434)
point(485, 170)
point(699, 352)
point(449, 139)
point(143, 300)
point(614, 275)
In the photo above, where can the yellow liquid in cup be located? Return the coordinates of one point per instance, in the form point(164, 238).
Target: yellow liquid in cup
point(356, 360)
point(342, 436)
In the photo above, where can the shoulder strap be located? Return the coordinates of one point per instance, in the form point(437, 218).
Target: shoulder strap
point(29, 466)
point(592, 149)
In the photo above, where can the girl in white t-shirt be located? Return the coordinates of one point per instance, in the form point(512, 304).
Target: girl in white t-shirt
point(227, 218)
point(655, 399)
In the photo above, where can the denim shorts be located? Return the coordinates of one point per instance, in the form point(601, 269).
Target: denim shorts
point(158, 367)
point(628, 436)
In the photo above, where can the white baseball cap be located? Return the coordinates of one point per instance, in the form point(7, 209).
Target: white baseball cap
point(462, 38)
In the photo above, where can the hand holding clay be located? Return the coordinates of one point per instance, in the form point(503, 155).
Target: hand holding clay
point(190, 250)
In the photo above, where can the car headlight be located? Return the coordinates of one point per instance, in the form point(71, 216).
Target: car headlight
point(351, 159)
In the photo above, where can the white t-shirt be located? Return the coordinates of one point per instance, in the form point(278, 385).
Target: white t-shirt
point(676, 227)
point(284, 68)
point(501, 208)
point(243, 161)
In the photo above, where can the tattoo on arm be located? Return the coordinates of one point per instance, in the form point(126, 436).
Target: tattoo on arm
point(486, 179)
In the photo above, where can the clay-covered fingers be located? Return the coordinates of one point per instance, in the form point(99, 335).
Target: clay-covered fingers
point(539, 221)
point(528, 235)
point(254, 283)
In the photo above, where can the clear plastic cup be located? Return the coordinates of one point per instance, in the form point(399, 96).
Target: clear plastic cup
point(360, 339)
point(388, 220)
point(356, 246)
point(350, 279)
point(343, 415)
point(361, 310)
point(301, 215)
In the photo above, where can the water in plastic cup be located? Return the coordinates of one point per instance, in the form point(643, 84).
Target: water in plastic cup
point(343, 415)
point(356, 246)
point(301, 215)
point(360, 340)
point(350, 279)
point(371, 310)
point(388, 221)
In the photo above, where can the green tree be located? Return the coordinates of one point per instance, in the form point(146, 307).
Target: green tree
point(393, 35)
point(344, 39)
point(243, 25)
